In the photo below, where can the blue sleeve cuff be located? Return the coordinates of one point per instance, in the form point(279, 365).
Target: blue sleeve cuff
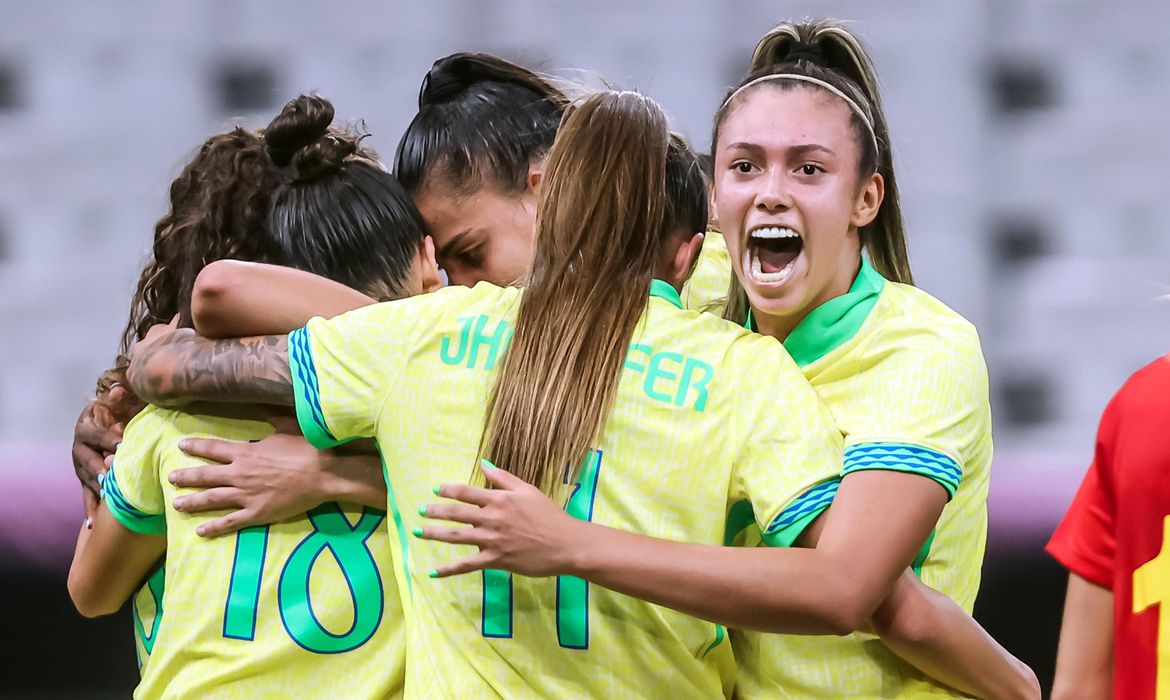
point(903, 457)
point(306, 391)
point(786, 527)
point(124, 512)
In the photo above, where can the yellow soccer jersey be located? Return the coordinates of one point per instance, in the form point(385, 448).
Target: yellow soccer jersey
point(706, 290)
point(705, 416)
point(905, 379)
point(146, 609)
point(303, 608)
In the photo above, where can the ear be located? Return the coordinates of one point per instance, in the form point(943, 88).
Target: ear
point(869, 201)
point(685, 257)
point(431, 280)
point(535, 176)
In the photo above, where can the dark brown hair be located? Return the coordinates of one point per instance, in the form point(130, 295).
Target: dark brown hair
point(481, 120)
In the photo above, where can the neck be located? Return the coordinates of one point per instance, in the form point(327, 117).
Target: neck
point(781, 326)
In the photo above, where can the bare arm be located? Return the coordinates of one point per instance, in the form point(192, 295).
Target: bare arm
point(931, 632)
point(833, 589)
point(171, 367)
point(109, 564)
point(1084, 660)
point(232, 298)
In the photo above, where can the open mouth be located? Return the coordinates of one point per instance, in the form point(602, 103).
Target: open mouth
point(772, 252)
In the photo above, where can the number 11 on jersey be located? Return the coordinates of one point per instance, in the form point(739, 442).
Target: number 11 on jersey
point(572, 592)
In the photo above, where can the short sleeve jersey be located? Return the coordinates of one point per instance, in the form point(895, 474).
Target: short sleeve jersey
point(302, 608)
point(706, 415)
point(1117, 530)
point(706, 290)
point(906, 382)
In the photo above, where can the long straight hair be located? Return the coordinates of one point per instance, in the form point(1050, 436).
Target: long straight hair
point(600, 225)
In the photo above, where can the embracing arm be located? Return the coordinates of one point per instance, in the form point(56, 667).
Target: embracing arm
point(232, 298)
point(931, 632)
point(110, 563)
point(172, 367)
point(833, 589)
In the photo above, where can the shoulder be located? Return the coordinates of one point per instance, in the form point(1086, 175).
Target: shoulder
point(914, 327)
point(1143, 400)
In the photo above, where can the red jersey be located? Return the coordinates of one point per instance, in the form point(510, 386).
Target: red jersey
point(1117, 530)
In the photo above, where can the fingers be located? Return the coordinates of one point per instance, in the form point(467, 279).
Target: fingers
point(498, 477)
point(468, 494)
point(222, 451)
point(90, 501)
point(87, 464)
point(206, 477)
point(453, 535)
point(232, 522)
point(221, 498)
point(476, 562)
point(97, 437)
point(454, 512)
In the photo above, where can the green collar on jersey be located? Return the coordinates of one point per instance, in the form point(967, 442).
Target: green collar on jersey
point(663, 290)
point(832, 324)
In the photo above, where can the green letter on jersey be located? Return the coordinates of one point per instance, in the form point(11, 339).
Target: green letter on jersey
point(572, 592)
point(347, 544)
point(239, 618)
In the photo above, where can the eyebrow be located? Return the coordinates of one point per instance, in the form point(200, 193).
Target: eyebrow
point(799, 149)
point(445, 250)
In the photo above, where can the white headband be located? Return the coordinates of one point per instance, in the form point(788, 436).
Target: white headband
point(821, 84)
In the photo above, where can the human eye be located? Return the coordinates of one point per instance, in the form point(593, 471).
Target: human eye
point(810, 169)
point(471, 256)
point(742, 166)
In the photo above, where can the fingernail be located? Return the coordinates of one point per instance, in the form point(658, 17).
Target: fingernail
point(422, 510)
point(183, 444)
point(433, 573)
point(171, 477)
point(201, 531)
point(417, 532)
point(487, 464)
point(101, 494)
point(101, 478)
point(179, 503)
point(117, 445)
point(436, 490)
point(89, 523)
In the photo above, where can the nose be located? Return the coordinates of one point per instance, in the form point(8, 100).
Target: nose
point(774, 194)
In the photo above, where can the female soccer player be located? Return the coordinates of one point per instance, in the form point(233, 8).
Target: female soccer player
point(1114, 543)
point(803, 181)
point(470, 343)
point(940, 667)
point(287, 617)
point(428, 377)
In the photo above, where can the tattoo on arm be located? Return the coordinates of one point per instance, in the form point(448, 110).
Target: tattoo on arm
point(238, 370)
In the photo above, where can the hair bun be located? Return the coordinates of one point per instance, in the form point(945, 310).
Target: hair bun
point(300, 136)
point(451, 75)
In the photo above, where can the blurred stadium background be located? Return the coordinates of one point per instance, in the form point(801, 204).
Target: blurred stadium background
point(1030, 137)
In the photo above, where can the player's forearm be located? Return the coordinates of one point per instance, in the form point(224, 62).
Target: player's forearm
point(233, 298)
point(182, 367)
point(932, 633)
point(108, 564)
point(355, 479)
point(801, 592)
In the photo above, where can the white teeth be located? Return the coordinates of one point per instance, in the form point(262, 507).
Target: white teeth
point(774, 232)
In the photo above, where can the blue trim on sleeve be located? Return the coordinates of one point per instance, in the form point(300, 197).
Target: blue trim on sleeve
point(124, 512)
point(307, 390)
point(786, 527)
point(896, 456)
